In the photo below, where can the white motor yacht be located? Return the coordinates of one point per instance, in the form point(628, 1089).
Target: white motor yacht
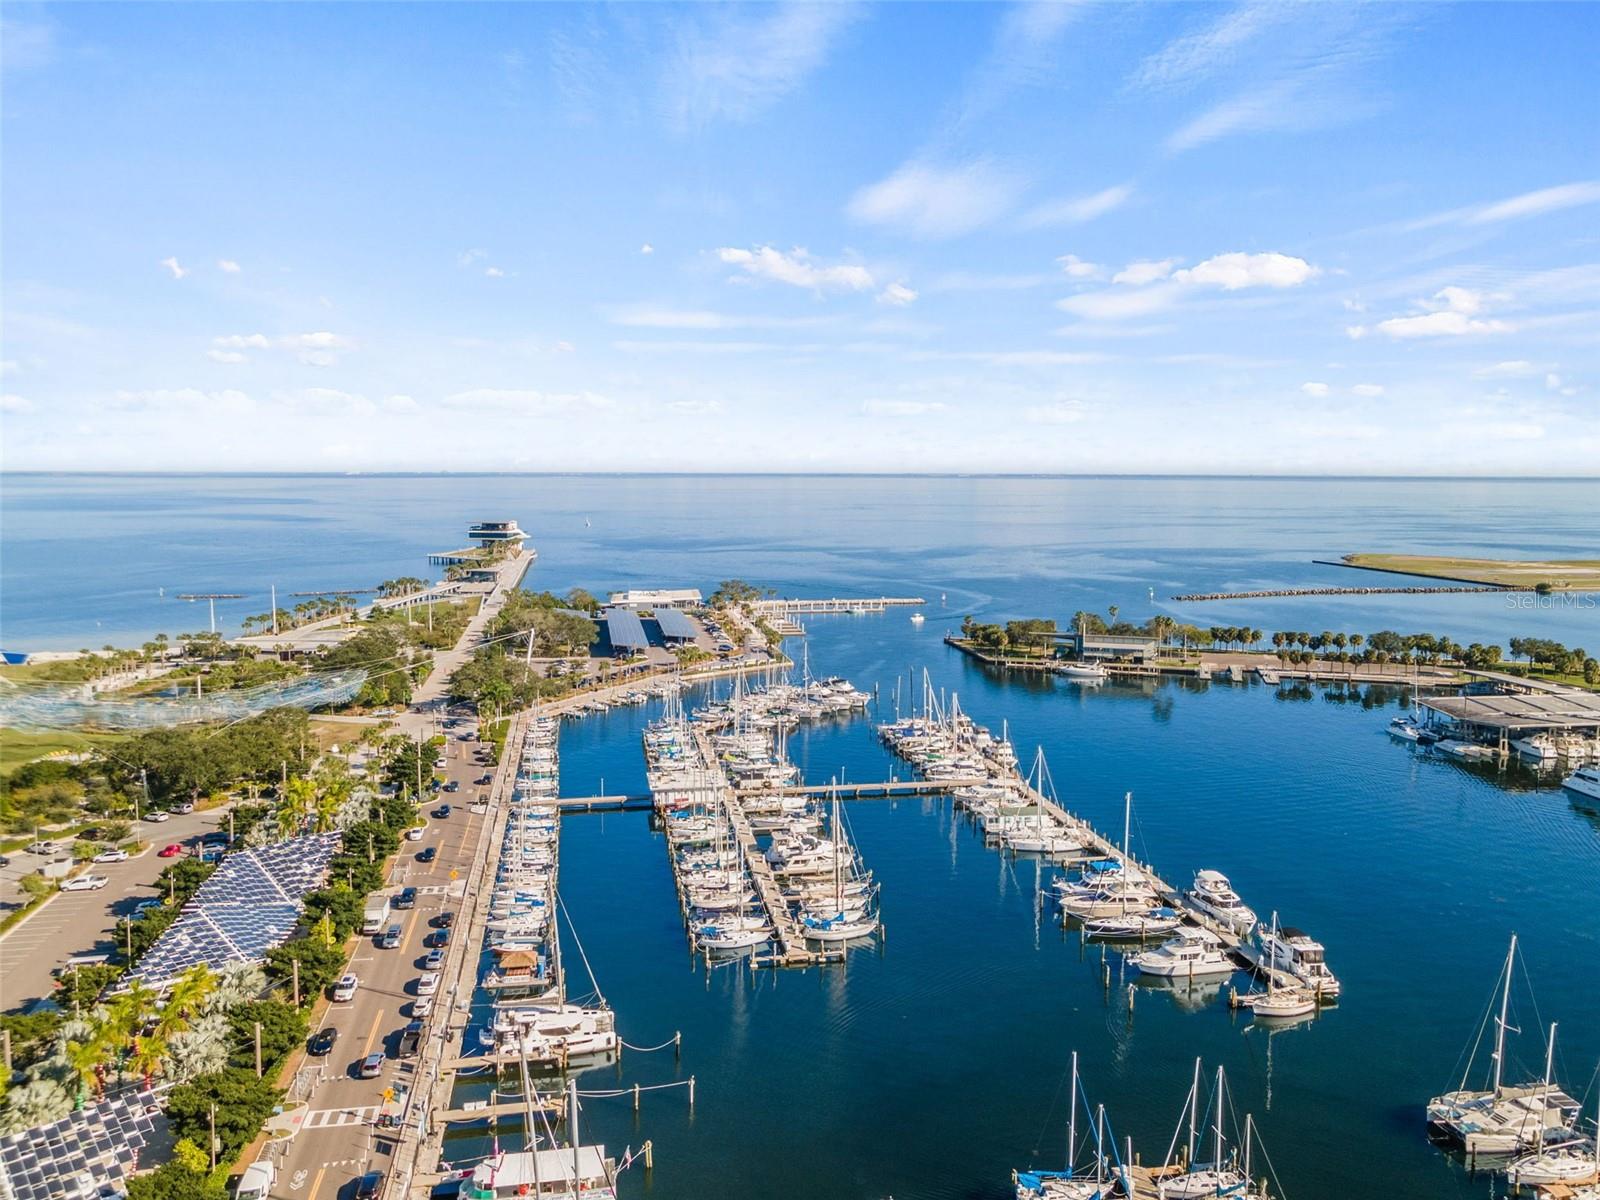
point(1585, 782)
point(1297, 952)
point(1188, 955)
point(1214, 896)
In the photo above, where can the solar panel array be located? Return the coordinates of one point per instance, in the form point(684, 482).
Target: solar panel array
point(250, 904)
point(80, 1154)
point(676, 625)
point(625, 629)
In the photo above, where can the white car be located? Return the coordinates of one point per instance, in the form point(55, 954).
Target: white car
point(428, 984)
point(345, 989)
point(185, 807)
point(421, 1007)
point(414, 834)
point(158, 817)
point(109, 856)
point(85, 883)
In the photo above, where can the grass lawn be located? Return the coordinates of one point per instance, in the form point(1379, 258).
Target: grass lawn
point(1581, 574)
point(60, 670)
point(24, 746)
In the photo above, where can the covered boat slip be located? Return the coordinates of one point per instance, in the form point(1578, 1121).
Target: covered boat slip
point(1499, 717)
point(558, 1172)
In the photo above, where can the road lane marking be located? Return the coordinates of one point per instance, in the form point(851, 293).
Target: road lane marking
point(316, 1183)
point(377, 1019)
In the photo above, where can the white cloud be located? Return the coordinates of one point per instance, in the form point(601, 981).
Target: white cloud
point(1010, 358)
point(400, 404)
point(695, 407)
point(242, 341)
point(181, 399)
point(12, 403)
point(177, 269)
point(1059, 412)
point(1231, 272)
point(897, 294)
point(467, 257)
point(1198, 55)
point(563, 348)
point(1450, 312)
point(1119, 304)
point(1075, 268)
point(226, 356)
point(494, 272)
point(9, 366)
point(315, 341)
point(967, 281)
point(647, 317)
point(1368, 389)
point(1510, 369)
point(1314, 389)
point(1528, 204)
point(1137, 274)
point(228, 266)
point(733, 63)
point(647, 248)
point(318, 349)
point(524, 401)
point(796, 269)
point(1078, 209)
point(903, 408)
point(935, 202)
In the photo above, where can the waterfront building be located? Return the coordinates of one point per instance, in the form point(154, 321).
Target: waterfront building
point(1105, 647)
point(653, 597)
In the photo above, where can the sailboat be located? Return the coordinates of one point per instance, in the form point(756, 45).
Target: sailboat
point(1097, 1181)
point(1111, 892)
point(1504, 1119)
point(840, 920)
point(1280, 1003)
point(1222, 1176)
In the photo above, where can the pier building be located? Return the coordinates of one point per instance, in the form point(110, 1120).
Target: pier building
point(1099, 647)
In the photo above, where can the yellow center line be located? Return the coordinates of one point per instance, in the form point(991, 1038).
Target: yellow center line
point(405, 941)
point(316, 1183)
point(377, 1020)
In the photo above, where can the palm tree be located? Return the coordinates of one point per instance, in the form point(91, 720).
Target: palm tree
point(186, 999)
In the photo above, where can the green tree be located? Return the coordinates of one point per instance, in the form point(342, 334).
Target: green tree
point(238, 1101)
point(320, 964)
point(283, 1028)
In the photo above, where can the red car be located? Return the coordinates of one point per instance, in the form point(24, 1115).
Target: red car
point(171, 851)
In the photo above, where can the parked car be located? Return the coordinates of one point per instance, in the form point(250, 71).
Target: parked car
point(444, 920)
point(42, 848)
point(421, 1007)
point(216, 837)
point(345, 989)
point(439, 763)
point(389, 939)
point(428, 854)
point(368, 1186)
point(4, 861)
point(410, 1039)
point(372, 1065)
point(171, 850)
point(485, 780)
point(439, 938)
point(453, 786)
point(322, 1045)
point(108, 856)
point(181, 809)
point(434, 960)
point(158, 817)
point(414, 834)
point(85, 883)
point(428, 984)
point(406, 898)
point(442, 811)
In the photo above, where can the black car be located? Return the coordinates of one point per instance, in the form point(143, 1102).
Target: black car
point(428, 854)
point(322, 1044)
point(439, 938)
point(453, 786)
point(369, 1185)
point(484, 780)
point(444, 920)
point(407, 898)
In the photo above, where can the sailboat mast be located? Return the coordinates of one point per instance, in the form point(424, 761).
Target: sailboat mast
point(1549, 1067)
point(1247, 1141)
point(1216, 1161)
point(1505, 1011)
point(1194, 1104)
point(1099, 1143)
point(1072, 1116)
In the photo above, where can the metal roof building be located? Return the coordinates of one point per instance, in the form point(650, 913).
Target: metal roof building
point(625, 630)
point(676, 625)
point(86, 1153)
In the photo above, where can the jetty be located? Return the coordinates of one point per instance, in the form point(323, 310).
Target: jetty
point(833, 604)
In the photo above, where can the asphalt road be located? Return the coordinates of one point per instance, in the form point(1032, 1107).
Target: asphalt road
point(85, 922)
point(335, 1143)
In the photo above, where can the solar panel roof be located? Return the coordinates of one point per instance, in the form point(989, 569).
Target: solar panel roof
point(676, 625)
point(81, 1153)
point(625, 629)
point(250, 904)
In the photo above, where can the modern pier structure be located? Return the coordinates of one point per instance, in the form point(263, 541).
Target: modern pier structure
point(834, 604)
point(491, 537)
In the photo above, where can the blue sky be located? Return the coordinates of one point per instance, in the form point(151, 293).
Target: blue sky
point(1055, 237)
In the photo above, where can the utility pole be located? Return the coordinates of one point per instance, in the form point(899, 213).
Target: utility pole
point(296, 983)
point(5, 1042)
point(213, 1143)
point(258, 1049)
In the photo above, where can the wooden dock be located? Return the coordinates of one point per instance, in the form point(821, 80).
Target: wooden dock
point(886, 789)
point(484, 1110)
point(833, 604)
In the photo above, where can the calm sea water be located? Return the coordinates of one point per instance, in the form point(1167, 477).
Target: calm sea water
point(931, 1066)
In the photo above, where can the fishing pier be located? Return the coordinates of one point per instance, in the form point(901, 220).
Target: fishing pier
point(834, 604)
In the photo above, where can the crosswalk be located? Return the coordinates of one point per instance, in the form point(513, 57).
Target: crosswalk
point(324, 1118)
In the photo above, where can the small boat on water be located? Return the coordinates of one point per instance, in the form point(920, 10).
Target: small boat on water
point(1226, 1174)
point(1083, 672)
point(1214, 896)
point(1188, 955)
point(1584, 782)
point(1146, 923)
point(917, 618)
point(1294, 950)
point(1095, 1180)
point(1405, 728)
point(1279, 1003)
point(1563, 1161)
